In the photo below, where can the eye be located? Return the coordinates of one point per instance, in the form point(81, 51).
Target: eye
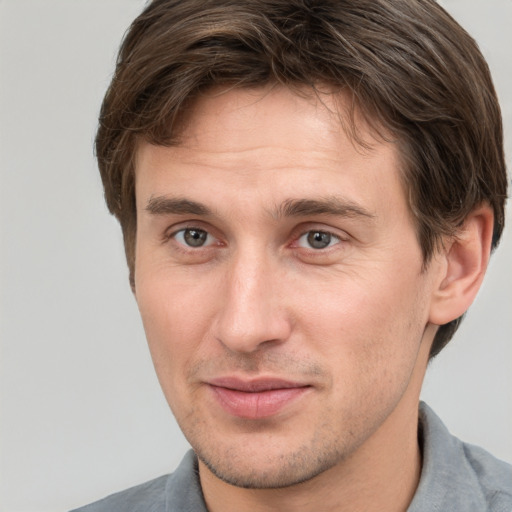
point(193, 237)
point(318, 240)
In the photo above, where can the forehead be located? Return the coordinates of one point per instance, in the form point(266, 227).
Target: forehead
point(271, 140)
point(259, 113)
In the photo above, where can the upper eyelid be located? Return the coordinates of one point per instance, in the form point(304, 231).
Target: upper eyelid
point(334, 235)
point(190, 224)
point(182, 246)
point(296, 232)
point(331, 231)
point(192, 229)
point(316, 226)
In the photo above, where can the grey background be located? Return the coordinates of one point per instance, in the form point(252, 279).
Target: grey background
point(82, 414)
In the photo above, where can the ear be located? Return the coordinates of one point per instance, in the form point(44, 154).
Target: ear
point(463, 265)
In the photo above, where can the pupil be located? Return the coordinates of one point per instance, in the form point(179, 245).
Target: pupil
point(319, 240)
point(195, 237)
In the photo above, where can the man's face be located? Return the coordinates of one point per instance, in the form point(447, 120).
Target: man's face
point(280, 283)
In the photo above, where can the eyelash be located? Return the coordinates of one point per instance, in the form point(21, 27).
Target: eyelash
point(174, 235)
point(322, 233)
point(197, 231)
point(182, 245)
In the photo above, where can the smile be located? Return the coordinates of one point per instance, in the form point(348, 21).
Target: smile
point(255, 399)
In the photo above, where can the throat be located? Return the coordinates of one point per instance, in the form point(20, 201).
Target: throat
point(380, 482)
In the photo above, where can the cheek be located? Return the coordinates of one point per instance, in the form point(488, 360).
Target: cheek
point(371, 328)
point(369, 341)
point(175, 314)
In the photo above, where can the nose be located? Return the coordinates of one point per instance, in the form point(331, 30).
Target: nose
point(252, 313)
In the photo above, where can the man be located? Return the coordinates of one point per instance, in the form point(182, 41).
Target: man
point(309, 192)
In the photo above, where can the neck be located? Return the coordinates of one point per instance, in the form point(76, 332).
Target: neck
point(381, 475)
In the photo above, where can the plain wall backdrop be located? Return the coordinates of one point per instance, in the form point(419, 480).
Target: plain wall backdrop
point(82, 414)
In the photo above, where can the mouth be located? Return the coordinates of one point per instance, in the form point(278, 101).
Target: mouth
point(256, 399)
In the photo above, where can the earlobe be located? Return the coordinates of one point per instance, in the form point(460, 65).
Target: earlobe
point(464, 263)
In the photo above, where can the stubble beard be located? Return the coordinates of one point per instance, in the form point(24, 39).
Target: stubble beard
point(282, 466)
point(248, 466)
point(279, 470)
point(276, 461)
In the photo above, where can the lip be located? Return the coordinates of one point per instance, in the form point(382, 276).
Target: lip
point(257, 398)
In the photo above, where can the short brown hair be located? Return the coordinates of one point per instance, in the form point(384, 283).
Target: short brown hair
point(409, 66)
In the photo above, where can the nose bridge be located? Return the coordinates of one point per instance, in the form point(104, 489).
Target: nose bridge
point(251, 313)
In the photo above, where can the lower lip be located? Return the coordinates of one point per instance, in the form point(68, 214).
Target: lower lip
point(256, 405)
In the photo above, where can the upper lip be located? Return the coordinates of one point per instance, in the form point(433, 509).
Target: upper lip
point(255, 385)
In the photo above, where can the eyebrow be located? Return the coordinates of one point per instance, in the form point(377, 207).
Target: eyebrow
point(333, 205)
point(163, 205)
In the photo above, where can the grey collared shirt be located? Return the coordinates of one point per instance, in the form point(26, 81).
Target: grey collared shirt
point(455, 477)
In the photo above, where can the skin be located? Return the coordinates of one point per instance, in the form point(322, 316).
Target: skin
point(352, 321)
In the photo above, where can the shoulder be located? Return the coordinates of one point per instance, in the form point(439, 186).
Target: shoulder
point(147, 497)
point(457, 476)
point(175, 492)
point(494, 477)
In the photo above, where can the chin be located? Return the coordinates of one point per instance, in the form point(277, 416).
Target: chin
point(268, 470)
